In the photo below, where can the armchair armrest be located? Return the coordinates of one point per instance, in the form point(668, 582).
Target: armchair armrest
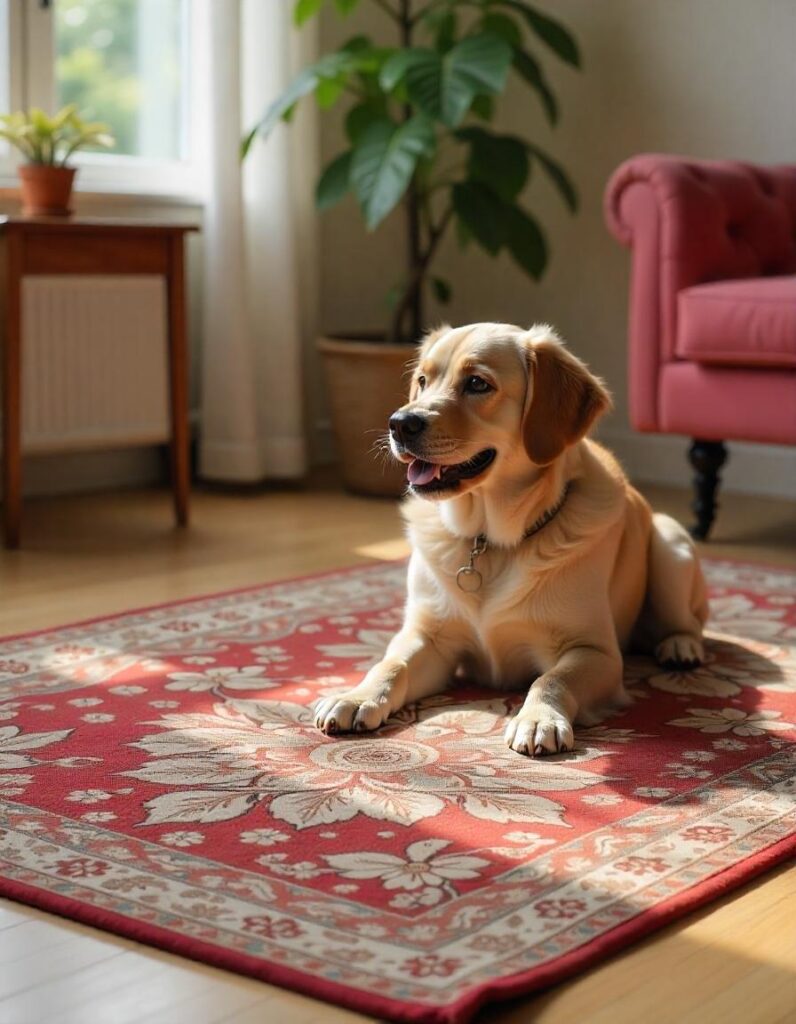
point(690, 222)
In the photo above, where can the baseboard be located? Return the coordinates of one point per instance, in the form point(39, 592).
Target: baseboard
point(765, 470)
point(323, 447)
point(280, 458)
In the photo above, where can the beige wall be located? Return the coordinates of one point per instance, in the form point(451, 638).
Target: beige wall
point(711, 78)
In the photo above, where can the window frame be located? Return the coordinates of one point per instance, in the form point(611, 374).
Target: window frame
point(31, 82)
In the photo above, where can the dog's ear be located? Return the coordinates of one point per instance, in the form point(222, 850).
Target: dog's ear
point(564, 399)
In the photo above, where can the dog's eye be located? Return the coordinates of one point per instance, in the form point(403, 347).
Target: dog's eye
point(476, 385)
point(421, 382)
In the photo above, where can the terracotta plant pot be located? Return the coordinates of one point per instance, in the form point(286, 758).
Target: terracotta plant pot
point(46, 190)
point(366, 382)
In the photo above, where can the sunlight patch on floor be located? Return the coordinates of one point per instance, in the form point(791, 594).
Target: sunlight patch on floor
point(385, 550)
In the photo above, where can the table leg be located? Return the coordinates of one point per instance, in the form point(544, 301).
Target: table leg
point(11, 371)
point(178, 381)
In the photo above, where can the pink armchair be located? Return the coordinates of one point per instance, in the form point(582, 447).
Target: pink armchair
point(712, 305)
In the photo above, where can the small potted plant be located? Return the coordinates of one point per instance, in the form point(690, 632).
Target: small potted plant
point(417, 125)
point(47, 143)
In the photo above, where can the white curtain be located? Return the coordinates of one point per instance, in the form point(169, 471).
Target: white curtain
point(258, 289)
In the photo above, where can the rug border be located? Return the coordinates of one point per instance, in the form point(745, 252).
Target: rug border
point(459, 1012)
point(209, 595)
point(301, 578)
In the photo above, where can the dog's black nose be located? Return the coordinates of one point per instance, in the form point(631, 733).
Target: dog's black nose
point(406, 426)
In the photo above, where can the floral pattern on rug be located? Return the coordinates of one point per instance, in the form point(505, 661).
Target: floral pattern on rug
point(160, 770)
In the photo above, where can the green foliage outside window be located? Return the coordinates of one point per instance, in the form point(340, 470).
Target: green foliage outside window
point(98, 47)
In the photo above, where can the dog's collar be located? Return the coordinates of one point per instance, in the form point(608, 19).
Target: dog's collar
point(469, 579)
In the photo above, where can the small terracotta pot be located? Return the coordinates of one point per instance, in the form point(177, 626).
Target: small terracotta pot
point(366, 383)
point(46, 190)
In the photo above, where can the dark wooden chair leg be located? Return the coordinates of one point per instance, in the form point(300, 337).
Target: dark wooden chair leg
point(707, 458)
point(178, 380)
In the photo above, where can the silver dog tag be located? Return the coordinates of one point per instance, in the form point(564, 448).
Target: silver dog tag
point(468, 579)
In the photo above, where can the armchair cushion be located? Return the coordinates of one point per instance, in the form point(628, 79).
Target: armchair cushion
point(743, 323)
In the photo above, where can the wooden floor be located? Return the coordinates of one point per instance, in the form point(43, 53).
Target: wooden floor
point(734, 962)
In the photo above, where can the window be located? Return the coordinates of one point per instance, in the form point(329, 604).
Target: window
point(5, 55)
point(126, 62)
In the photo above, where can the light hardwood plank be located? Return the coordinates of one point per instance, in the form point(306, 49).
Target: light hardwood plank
point(10, 917)
point(101, 554)
point(220, 1000)
point(59, 961)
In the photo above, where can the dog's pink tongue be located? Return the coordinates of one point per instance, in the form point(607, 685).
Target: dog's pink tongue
point(419, 472)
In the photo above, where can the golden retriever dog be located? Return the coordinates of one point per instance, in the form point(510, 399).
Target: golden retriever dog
point(534, 562)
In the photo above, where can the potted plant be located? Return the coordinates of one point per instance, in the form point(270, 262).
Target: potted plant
point(417, 124)
point(47, 143)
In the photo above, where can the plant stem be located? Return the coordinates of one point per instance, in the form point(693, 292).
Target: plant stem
point(414, 257)
point(412, 300)
point(418, 273)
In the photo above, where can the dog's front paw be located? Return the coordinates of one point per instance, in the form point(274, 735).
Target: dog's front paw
point(349, 712)
point(680, 651)
point(540, 730)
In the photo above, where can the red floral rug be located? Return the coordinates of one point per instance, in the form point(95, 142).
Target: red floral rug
point(162, 779)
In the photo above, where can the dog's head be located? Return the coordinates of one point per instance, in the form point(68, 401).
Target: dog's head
point(483, 397)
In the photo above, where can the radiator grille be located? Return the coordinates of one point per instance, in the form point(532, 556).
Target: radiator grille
point(94, 362)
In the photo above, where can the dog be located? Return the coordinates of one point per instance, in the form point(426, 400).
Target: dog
point(534, 561)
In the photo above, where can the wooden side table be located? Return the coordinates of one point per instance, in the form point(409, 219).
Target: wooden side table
point(86, 245)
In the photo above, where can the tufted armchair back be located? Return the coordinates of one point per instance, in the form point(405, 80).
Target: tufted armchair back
point(712, 220)
point(693, 222)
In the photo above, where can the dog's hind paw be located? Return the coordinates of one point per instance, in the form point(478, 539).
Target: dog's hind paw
point(680, 651)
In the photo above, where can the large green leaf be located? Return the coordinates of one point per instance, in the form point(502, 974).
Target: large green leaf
point(305, 9)
point(530, 70)
point(384, 160)
point(444, 86)
point(356, 44)
point(499, 161)
point(483, 107)
point(552, 32)
point(484, 215)
point(332, 66)
point(441, 23)
point(484, 60)
point(360, 116)
point(526, 243)
point(502, 25)
point(395, 68)
point(335, 181)
point(557, 175)
point(345, 7)
point(328, 91)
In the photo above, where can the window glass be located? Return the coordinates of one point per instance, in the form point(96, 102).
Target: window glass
point(125, 62)
point(5, 62)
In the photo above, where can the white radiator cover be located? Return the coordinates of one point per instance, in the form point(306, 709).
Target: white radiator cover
point(94, 362)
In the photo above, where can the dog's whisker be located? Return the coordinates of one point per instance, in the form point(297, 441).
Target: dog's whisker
point(380, 455)
point(381, 444)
